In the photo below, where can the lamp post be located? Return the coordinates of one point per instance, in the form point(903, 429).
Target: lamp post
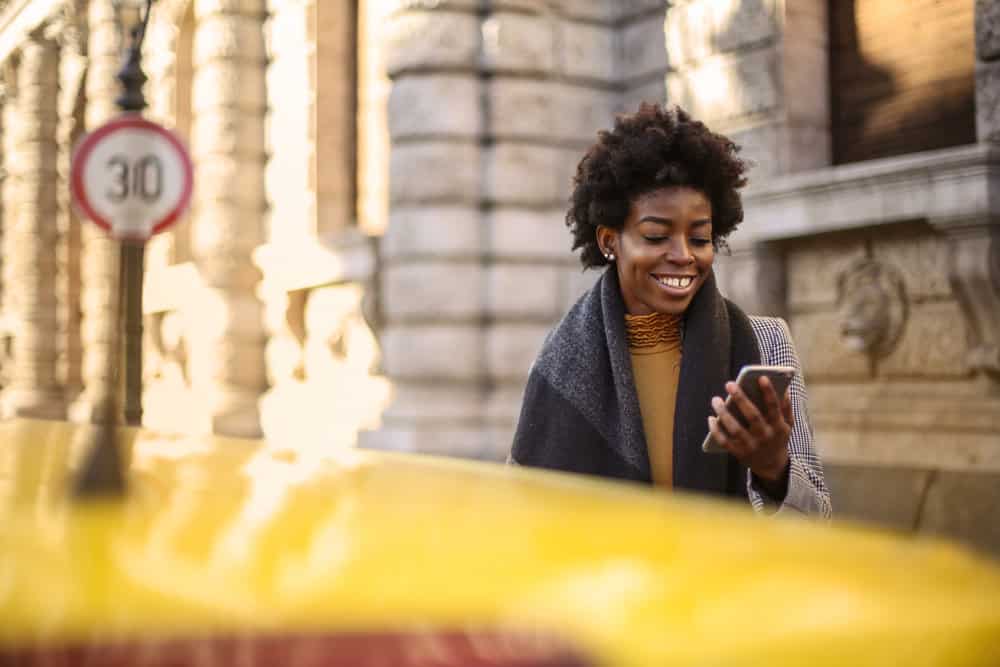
point(132, 22)
point(133, 178)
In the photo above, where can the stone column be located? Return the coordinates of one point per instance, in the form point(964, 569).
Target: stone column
point(489, 113)
point(30, 235)
point(72, 75)
point(756, 71)
point(433, 278)
point(988, 70)
point(229, 105)
point(974, 245)
point(97, 259)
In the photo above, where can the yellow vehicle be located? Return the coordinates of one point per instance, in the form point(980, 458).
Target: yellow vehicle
point(232, 552)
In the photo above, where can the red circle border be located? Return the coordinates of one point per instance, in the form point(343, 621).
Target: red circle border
point(89, 143)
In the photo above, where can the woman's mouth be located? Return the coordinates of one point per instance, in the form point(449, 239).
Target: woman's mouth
point(677, 284)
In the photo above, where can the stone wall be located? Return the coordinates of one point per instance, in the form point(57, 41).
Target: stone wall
point(476, 260)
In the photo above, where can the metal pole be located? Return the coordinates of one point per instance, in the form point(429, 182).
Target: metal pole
point(103, 471)
point(132, 101)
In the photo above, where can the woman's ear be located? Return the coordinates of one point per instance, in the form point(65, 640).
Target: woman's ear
point(607, 242)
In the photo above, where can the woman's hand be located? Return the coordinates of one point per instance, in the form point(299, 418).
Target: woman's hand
point(762, 445)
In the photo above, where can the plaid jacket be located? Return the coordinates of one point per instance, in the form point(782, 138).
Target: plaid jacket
point(807, 492)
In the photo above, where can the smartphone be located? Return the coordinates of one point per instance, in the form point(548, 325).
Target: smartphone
point(749, 381)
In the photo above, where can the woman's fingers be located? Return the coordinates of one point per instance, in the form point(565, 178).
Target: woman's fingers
point(735, 447)
point(734, 431)
point(772, 404)
point(756, 422)
point(786, 410)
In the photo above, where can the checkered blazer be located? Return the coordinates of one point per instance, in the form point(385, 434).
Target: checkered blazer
point(807, 492)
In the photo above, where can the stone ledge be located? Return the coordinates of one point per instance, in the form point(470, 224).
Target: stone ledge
point(346, 257)
point(954, 184)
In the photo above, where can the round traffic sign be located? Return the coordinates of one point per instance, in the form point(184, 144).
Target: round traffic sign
point(132, 177)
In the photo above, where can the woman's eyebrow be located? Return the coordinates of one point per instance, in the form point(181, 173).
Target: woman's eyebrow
point(667, 221)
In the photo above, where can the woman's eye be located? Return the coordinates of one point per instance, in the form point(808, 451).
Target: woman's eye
point(701, 242)
point(655, 239)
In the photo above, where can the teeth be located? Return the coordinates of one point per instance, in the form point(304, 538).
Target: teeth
point(680, 283)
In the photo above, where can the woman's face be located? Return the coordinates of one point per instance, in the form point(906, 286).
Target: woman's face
point(664, 252)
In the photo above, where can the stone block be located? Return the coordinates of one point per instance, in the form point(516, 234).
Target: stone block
point(737, 24)
point(522, 107)
point(232, 134)
point(726, 88)
point(523, 291)
point(518, 43)
point(501, 437)
point(965, 506)
point(644, 48)
point(542, 109)
point(933, 344)
point(822, 351)
point(578, 283)
point(430, 352)
point(460, 441)
point(813, 267)
point(654, 92)
point(804, 148)
point(435, 402)
point(804, 70)
point(230, 37)
point(987, 30)
point(884, 495)
point(588, 52)
point(438, 231)
point(415, 107)
point(760, 145)
point(253, 8)
point(430, 291)
point(626, 11)
point(420, 40)
point(529, 234)
point(988, 101)
point(231, 176)
point(689, 32)
point(754, 278)
point(922, 261)
point(523, 173)
point(415, 172)
point(228, 87)
point(503, 405)
point(512, 348)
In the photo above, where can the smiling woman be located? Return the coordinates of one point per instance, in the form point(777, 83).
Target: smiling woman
point(631, 381)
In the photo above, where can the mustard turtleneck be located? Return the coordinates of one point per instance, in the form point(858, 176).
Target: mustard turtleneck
point(654, 343)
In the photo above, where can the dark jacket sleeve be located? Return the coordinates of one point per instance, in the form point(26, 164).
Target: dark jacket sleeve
point(551, 433)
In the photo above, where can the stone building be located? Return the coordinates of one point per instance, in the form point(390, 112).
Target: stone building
point(376, 244)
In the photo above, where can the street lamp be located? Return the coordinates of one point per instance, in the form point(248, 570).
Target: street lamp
point(102, 472)
point(132, 22)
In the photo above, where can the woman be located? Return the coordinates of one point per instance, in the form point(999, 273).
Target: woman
point(632, 379)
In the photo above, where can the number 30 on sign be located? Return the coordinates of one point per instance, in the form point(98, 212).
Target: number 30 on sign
point(132, 177)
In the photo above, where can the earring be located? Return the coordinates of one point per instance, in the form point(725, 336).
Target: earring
point(610, 256)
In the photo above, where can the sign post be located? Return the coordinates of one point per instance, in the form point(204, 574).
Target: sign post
point(133, 178)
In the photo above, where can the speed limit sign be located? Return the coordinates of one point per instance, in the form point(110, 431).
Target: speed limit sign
point(132, 177)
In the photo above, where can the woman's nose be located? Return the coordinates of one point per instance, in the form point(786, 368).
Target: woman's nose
point(679, 252)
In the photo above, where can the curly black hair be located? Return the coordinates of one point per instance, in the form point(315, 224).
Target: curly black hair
point(648, 150)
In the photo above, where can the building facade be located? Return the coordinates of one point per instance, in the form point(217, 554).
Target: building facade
point(376, 246)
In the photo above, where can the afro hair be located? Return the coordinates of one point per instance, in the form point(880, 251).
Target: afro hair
point(645, 151)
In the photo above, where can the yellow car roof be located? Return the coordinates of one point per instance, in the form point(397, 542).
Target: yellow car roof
point(226, 536)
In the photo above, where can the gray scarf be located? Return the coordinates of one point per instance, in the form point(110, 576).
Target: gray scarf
point(581, 411)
